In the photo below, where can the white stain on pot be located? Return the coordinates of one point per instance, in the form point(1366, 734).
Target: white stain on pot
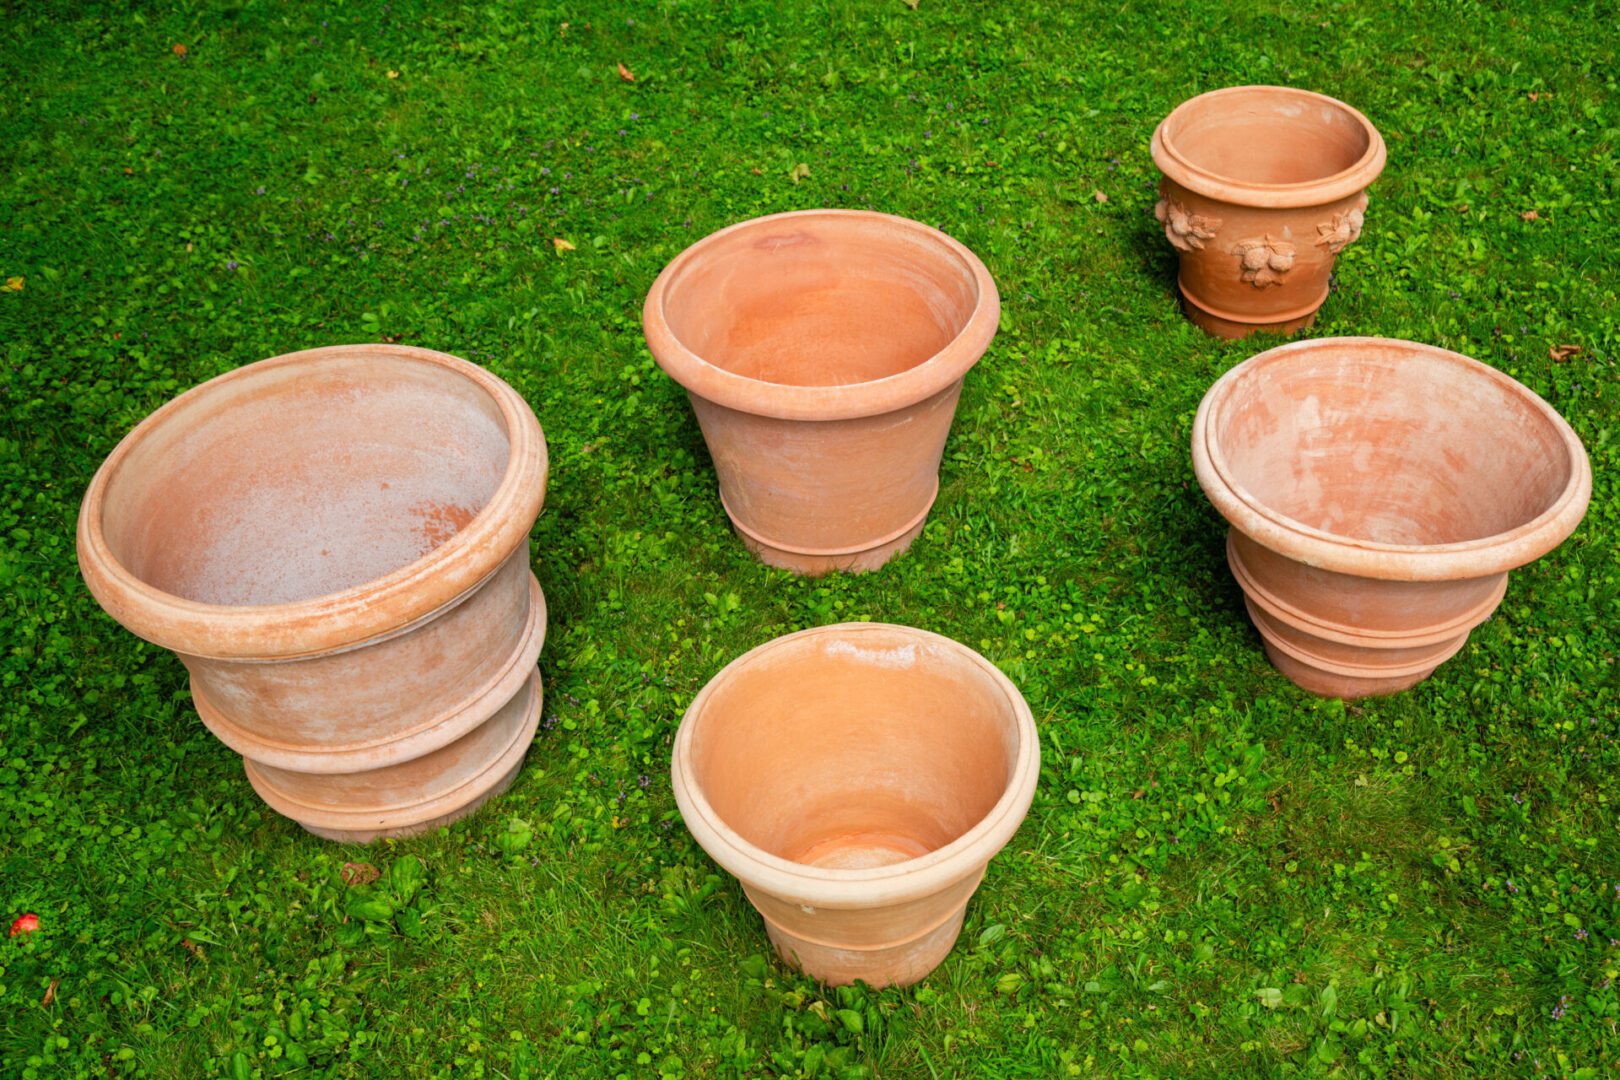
point(900, 659)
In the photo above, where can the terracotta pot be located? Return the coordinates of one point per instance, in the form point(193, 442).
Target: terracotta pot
point(1379, 492)
point(857, 779)
point(823, 352)
point(1263, 187)
point(335, 542)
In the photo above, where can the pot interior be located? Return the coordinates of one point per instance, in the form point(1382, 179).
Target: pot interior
point(820, 300)
point(1392, 446)
point(855, 751)
point(302, 479)
point(1267, 135)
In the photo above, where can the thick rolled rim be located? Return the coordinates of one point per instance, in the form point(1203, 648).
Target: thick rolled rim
point(878, 886)
point(1340, 185)
point(1287, 536)
point(380, 607)
point(847, 401)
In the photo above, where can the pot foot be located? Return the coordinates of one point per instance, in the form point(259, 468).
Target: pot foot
point(362, 825)
point(1225, 325)
point(859, 562)
point(1332, 684)
point(900, 964)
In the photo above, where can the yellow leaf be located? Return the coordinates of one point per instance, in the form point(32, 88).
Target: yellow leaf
point(798, 172)
point(392, 74)
point(561, 245)
point(14, 284)
point(912, 4)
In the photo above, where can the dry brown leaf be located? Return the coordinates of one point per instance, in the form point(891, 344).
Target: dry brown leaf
point(561, 245)
point(626, 74)
point(180, 51)
point(355, 874)
point(757, 171)
point(1530, 215)
point(192, 947)
point(1099, 196)
point(50, 992)
point(1559, 353)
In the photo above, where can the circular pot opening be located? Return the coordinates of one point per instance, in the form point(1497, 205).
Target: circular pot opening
point(820, 300)
point(299, 480)
point(856, 750)
point(1393, 446)
point(1266, 135)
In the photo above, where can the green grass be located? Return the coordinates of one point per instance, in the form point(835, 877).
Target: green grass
point(1220, 874)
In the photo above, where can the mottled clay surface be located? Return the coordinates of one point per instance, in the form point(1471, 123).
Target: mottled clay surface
point(335, 543)
point(1263, 187)
point(857, 779)
point(823, 352)
point(1379, 492)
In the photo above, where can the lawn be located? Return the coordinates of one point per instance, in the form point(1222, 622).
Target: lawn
point(1220, 875)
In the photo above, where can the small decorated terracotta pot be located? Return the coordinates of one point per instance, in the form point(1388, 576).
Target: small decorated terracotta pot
point(1263, 187)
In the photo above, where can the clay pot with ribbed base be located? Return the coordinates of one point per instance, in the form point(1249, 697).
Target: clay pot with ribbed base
point(1263, 187)
point(335, 543)
point(857, 779)
point(823, 352)
point(1379, 492)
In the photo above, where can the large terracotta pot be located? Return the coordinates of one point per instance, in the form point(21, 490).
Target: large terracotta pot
point(335, 542)
point(1263, 187)
point(823, 352)
point(1379, 492)
point(857, 779)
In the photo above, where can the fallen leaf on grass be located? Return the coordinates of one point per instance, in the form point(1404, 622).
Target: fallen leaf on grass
point(50, 993)
point(180, 51)
point(392, 74)
point(798, 172)
point(15, 284)
point(1099, 196)
point(192, 947)
point(561, 245)
point(912, 4)
point(359, 873)
point(1559, 353)
point(626, 74)
point(1530, 215)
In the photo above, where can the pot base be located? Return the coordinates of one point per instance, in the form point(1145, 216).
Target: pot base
point(1227, 325)
point(810, 562)
point(362, 826)
point(899, 964)
point(1332, 684)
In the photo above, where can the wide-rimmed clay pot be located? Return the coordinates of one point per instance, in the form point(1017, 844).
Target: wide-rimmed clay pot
point(1263, 187)
point(1379, 492)
point(335, 542)
point(823, 352)
point(857, 779)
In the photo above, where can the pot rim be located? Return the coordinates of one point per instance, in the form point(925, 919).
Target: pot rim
point(846, 401)
point(385, 605)
point(872, 887)
point(1479, 557)
point(1340, 185)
